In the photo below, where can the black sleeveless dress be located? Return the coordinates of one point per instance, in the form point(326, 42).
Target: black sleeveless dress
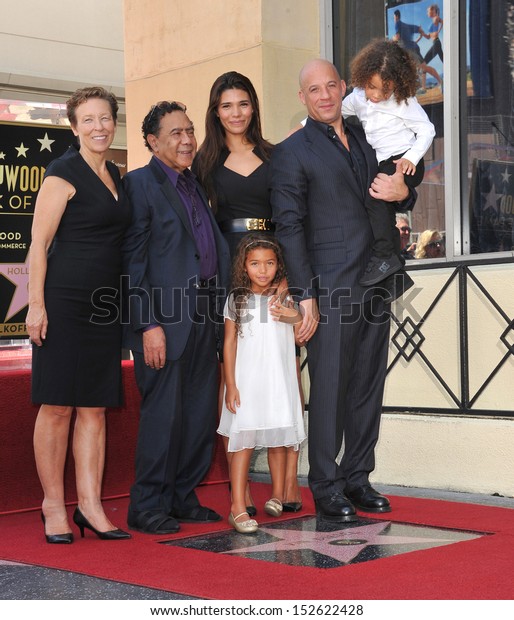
point(79, 363)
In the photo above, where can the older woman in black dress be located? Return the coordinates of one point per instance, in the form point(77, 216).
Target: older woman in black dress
point(232, 166)
point(75, 259)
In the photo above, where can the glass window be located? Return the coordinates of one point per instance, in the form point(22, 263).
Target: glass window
point(417, 25)
point(488, 127)
point(33, 112)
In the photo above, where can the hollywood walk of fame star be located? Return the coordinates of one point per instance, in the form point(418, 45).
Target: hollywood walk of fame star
point(46, 143)
point(341, 545)
point(22, 150)
point(18, 274)
point(491, 200)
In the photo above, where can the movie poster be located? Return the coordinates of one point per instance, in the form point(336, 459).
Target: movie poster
point(418, 25)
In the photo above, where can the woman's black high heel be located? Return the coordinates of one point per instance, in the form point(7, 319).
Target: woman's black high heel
point(57, 539)
point(251, 510)
point(81, 522)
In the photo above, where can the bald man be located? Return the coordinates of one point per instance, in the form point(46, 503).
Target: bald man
point(321, 178)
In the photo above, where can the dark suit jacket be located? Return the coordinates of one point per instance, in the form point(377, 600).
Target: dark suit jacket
point(162, 261)
point(319, 214)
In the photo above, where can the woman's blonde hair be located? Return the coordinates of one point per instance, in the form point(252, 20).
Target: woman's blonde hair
point(423, 240)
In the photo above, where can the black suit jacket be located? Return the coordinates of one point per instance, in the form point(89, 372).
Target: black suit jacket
point(318, 210)
point(162, 262)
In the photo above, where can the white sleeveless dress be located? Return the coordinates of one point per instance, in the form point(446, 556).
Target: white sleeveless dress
point(270, 414)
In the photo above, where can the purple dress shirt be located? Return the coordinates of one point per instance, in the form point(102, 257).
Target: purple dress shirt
point(186, 186)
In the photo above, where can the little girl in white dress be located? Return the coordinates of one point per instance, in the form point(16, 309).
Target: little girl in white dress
point(262, 407)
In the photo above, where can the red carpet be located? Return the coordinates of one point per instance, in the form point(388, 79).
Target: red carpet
point(476, 569)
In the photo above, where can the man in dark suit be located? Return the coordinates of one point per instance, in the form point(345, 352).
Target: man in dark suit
point(320, 179)
point(175, 262)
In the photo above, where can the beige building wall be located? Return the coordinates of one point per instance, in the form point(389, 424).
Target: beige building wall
point(175, 51)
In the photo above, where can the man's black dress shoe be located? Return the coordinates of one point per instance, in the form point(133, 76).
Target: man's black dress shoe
point(368, 500)
point(198, 514)
point(149, 522)
point(335, 508)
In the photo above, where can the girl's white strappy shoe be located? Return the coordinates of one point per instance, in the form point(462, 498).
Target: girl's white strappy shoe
point(243, 527)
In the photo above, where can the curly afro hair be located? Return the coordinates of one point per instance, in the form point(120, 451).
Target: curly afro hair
point(395, 66)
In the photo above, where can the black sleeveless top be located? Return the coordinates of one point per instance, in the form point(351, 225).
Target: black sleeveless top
point(242, 196)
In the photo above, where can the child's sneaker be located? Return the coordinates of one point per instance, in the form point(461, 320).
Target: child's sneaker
point(395, 286)
point(379, 269)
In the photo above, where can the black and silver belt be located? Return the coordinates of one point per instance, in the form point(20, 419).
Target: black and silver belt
point(247, 224)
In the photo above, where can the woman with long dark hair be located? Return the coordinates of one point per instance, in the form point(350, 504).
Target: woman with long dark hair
point(232, 163)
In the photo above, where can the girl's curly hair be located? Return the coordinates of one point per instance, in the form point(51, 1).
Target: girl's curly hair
point(396, 67)
point(241, 284)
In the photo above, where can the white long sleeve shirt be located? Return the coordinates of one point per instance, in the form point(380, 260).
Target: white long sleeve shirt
point(391, 127)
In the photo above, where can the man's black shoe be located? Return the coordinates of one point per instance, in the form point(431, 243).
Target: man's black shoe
point(368, 500)
point(150, 522)
point(335, 508)
point(379, 269)
point(198, 514)
point(395, 286)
